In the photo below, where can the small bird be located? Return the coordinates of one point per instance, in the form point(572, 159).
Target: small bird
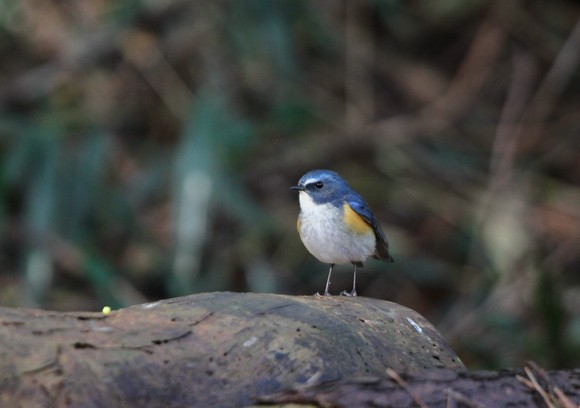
point(336, 224)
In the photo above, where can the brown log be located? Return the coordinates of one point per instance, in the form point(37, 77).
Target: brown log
point(529, 387)
point(207, 350)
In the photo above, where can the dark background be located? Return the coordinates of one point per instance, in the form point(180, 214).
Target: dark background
point(147, 148)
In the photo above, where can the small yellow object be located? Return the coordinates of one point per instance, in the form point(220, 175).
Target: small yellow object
point(107, 310)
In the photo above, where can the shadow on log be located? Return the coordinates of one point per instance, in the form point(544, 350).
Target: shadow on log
point(214, 349)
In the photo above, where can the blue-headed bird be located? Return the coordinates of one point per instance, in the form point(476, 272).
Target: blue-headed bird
point(336, 224)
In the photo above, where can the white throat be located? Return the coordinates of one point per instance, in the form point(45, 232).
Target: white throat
point(307, 204)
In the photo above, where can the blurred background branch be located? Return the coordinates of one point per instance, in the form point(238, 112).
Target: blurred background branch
point(147, 148)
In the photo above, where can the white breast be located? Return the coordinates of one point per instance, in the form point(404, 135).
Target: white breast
point(328, 238)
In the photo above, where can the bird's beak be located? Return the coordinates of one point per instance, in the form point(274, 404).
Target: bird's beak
point(299, 188)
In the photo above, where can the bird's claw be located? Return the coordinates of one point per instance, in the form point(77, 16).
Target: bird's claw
point(319, 295)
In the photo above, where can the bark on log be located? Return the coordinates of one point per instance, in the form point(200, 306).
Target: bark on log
point(441, 388)
point(207, 350)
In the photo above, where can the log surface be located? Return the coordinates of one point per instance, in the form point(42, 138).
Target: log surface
point(441, 388)
point(213, 349)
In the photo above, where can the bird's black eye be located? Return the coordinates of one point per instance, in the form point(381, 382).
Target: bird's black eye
point(319, 185)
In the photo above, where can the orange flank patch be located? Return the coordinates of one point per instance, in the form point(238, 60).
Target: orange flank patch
point(355, 221)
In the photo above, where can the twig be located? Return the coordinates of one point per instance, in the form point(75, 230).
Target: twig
point(553, 85)
point(477, 65)
point(506, 140)
point(404, 385)
point(555, 394)
point(552, 395)
point(563, 400)
point(537, 387)
point(525, 381)
point(559, 397)
point(143, 51)
point(457, 396)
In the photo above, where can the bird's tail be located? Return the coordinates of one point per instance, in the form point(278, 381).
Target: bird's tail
point(382, 253)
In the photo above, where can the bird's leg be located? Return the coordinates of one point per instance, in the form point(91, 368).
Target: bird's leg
point(353, 292)
point(326, 292)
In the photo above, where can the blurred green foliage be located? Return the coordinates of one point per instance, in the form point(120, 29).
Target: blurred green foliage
point(147, 149)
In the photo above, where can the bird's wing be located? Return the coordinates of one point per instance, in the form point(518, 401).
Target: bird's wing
point(358, 204)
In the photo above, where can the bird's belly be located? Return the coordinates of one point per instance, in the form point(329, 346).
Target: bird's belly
point(327, 237)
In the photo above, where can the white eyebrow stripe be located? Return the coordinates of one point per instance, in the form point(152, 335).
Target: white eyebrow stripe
point(310, 180)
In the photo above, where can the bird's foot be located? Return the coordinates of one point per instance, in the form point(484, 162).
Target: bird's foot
point(349, 294)
point(327, 293)
point(319, 295)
